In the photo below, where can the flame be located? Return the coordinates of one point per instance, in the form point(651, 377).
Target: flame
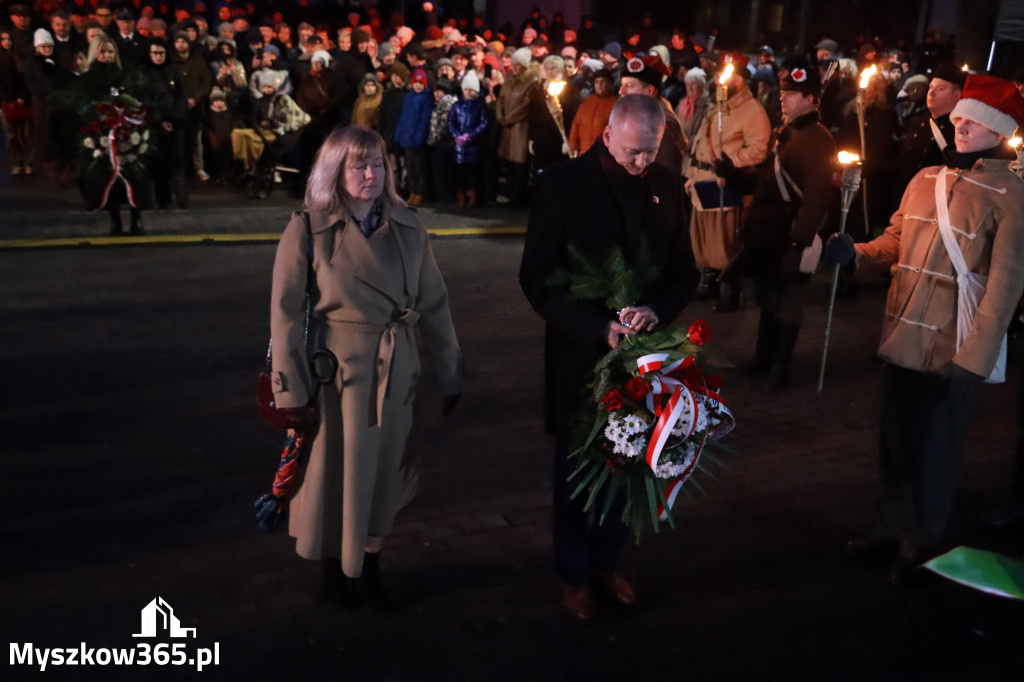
point(964, 68)
point(847, 158)
point(1014, 142)
point(726, 74)
point(866, 75)
point(555, 88)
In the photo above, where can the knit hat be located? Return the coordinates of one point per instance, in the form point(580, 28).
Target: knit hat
point(419, 76)
point(523, 56)
point(650, 69)
point(594, 65)
point(42, 37)
point(225, 26)
point(444, 61)
point(828, 45)
point(272, 49)
point(698, 76)
point(614, 49)
point(321, 55)
point(950, 73)
point(401, 70)
point(384, 49)
point(529, 35)
point(143, 23)
point(433, 33)
point(992, 102)
point(916, 79)
point(764, 75)
point(217, 94)
point(806, 81)
point(470, 81)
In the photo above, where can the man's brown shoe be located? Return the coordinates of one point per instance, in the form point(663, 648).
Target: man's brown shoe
point(617, 586)
point(578, 602)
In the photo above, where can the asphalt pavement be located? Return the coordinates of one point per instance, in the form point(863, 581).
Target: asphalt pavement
point(132, 455)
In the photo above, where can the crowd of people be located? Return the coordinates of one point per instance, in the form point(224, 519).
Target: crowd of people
point(468, 112)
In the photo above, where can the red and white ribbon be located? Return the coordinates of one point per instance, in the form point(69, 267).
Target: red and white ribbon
point(116, 172)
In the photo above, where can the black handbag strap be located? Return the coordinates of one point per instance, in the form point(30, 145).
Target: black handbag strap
point(310, 286)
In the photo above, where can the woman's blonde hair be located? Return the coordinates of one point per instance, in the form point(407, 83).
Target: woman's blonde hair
point(325, 191)
point(94, 50)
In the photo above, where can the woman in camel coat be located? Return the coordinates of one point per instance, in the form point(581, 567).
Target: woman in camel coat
point(376, 281)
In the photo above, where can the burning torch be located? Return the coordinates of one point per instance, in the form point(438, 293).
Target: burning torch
point(862, 96)
point(555, 108)
point(851, 182)
point(1015, 144)
point(722, 93)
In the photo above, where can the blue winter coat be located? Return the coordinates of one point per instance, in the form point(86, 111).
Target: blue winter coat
point(470, 117)
point(414, 121)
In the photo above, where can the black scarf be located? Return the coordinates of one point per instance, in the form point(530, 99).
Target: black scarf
point(964, 160)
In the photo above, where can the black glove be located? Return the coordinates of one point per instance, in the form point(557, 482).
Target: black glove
point(961, 383)
point(726, 169)
point(839, 250)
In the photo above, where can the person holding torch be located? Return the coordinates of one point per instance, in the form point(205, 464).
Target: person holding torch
point(733, 138)
point(955, 245)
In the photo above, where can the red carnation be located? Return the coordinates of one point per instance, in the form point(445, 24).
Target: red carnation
point(700, 332)
point(612, 400)
point(637, 388)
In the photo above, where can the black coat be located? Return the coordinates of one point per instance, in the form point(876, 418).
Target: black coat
point(920, 149)
point(593, 204)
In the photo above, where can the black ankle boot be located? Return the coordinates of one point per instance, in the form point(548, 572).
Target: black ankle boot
point(764, 350)
point(370, 587)
point(778, 378)
point(116, 230)
point(136, 226)
point(709, 287)
point(338, 588)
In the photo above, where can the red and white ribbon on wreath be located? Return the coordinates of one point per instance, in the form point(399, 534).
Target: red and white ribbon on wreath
point(681, 406)
point(116, 173)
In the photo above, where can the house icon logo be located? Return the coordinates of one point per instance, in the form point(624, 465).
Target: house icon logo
point(158, 617)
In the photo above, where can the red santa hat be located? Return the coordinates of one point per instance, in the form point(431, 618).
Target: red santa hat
point(992, 102)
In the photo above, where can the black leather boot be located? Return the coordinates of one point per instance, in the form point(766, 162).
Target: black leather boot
point(708, 289)
point(370, 587)
point(136, 226)
point(337, 587)
point(764, 350)
point(116, 230)
point(785, 344)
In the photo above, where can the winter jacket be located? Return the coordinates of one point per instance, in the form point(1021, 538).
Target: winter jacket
point(267, 76)
point(315, 94)
point(919, 329)
point(198, 81)
point(390, 111)
point(439, 120)
point(469, 117)
point(512, 113)
point(745, 136)
point(414, 121)
point(591, 120)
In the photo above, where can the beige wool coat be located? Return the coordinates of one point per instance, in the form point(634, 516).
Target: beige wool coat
point(919, 330)
point(373, 293)
point(512, 114)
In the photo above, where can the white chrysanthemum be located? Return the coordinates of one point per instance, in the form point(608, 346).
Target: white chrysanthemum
point(634, 424)
point(97, 154)
point(135, 138)
point(143, 148)
point(670, 469)
point(130, 158)
point(145, 135)
point(89, 143)
point(104, 141)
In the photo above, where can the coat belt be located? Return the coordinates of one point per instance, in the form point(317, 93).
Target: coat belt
point(385, 355)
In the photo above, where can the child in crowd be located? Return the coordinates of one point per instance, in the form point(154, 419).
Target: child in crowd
point(441, 142)
point(367, 107)
point(468, 122)
point(390, 111)
point(220, 121)
point(411, 136)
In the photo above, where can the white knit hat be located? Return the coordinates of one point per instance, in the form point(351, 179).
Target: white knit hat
point(321, 55)
point(523, 56)
point(42, 37)
point(470, 81)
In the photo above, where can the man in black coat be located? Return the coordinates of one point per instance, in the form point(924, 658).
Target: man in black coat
point(612, 196)
point(929, 133)
point(131, 45)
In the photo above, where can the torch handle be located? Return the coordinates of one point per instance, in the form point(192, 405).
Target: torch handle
point(831, 305)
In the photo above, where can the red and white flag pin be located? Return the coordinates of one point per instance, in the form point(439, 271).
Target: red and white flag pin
point(656, 200)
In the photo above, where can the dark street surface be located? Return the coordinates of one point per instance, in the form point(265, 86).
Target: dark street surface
point(133, 453)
